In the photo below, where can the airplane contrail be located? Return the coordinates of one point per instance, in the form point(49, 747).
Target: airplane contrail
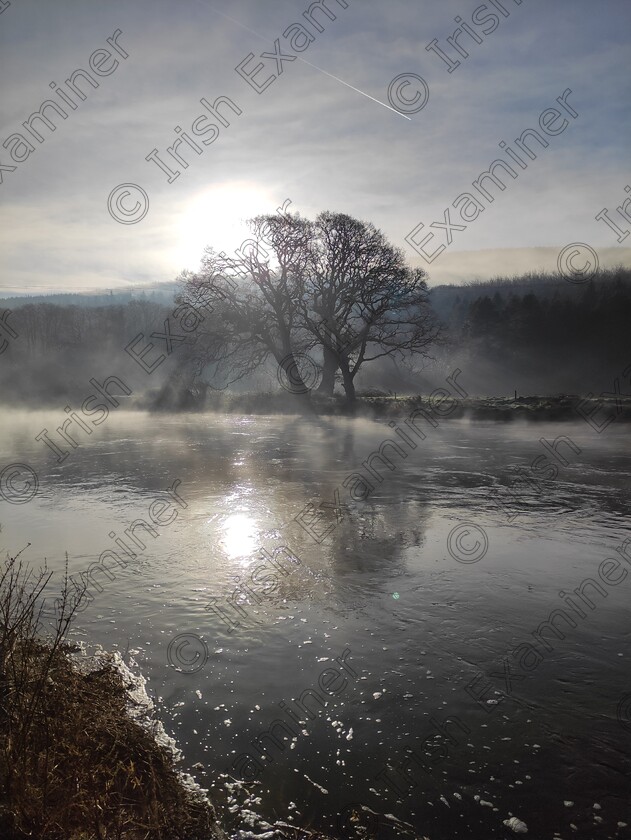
point(304, 61)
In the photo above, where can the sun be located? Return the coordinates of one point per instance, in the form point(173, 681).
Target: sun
point(217, 217)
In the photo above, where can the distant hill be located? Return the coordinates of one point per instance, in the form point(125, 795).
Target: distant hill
point(160, 293)
point(451, 303)
point(444, 298)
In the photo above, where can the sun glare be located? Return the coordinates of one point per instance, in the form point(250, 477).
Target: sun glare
point(240, 535)
point(216, 217)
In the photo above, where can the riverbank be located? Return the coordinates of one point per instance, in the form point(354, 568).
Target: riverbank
point(74, 763)
point(531, 408)
point(561, 407)
point(82, 754)
point(81, 757)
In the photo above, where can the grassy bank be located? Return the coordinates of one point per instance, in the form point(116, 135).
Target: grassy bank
point(74, 764)
point(376, 406)
point(534, 408)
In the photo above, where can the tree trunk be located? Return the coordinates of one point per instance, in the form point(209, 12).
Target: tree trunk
point(291, 381)
point(349, 386)
point(290, 377)
point(329, 370)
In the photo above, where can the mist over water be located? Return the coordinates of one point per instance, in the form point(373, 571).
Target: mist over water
point(422, 611)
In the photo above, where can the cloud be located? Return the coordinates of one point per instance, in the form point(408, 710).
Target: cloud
point(307, 137)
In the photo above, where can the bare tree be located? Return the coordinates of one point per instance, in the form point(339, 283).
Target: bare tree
point(255, 299)
point(334, 285)
point(362, 301)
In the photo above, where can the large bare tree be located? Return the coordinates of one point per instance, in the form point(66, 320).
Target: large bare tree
point(362, 301)
point(254, 298)
point(334, 287)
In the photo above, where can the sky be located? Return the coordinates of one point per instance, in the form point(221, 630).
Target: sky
point(364, 120)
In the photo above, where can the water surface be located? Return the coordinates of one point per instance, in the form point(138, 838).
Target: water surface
point(422, 624)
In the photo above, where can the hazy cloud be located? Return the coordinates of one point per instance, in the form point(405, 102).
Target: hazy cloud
point(307, 137)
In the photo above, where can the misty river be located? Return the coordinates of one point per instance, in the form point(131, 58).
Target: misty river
point(383, 650)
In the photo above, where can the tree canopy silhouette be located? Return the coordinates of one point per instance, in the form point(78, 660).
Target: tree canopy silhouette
point(333, 288)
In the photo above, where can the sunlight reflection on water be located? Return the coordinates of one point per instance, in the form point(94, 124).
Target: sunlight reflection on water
point(240, 536)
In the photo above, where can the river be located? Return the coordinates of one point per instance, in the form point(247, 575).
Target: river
point(407, 618)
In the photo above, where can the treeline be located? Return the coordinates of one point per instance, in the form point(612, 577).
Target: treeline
point(45, 327)
point(451, 302)
point(537, 334)
point(57, 349)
